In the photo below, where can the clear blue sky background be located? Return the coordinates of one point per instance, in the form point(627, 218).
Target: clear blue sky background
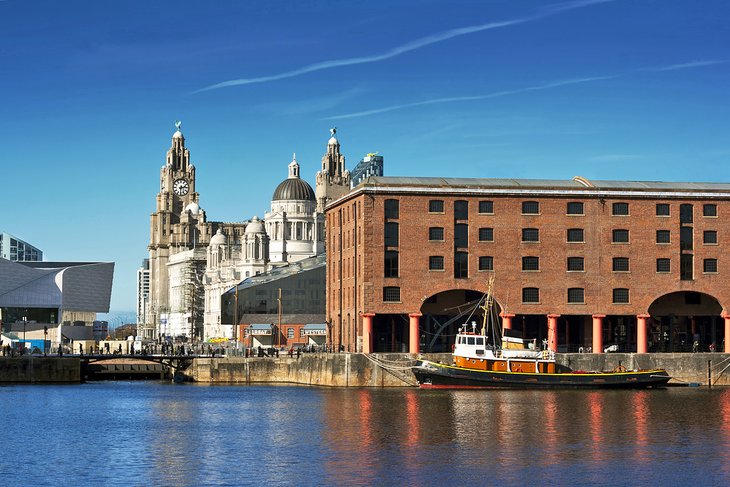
point(89, 91)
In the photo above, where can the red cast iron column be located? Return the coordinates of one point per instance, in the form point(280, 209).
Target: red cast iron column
point(506, 320)
point(641, 341)
point(367, 332)
point(553, 332)
point(414, 338)
point(598, 333)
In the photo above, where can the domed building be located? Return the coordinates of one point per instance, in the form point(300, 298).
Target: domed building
point(290, 232)
point(295, 228)
point(193, 261)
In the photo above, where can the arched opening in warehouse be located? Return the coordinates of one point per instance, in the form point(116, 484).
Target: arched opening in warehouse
point(685, 321)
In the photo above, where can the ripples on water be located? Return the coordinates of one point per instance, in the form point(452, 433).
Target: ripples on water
point(148, 433)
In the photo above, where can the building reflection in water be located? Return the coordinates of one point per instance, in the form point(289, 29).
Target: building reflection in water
point(724, 425)
point(550, 426)
point(595, 410)
point(639, 414)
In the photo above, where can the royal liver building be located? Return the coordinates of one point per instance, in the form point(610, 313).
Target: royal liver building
point(194, 261)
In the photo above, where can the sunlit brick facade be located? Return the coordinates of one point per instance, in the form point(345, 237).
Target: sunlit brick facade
point(582, 264)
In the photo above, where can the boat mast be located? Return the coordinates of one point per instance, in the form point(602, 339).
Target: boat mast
point(487, 306)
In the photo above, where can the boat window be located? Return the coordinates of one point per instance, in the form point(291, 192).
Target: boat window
point(470, 340)
point(480, 341)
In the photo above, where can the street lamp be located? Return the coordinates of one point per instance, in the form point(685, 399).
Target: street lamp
point(278, 331)
point(25, 323)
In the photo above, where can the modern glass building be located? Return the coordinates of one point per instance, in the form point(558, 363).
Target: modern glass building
point(370, 165)
point(16, 250)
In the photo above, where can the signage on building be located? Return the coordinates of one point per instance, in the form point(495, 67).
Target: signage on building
point(258, 330)
point(313, 332)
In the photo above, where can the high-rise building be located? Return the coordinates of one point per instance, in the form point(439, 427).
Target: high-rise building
point(370, 165)
point(143, 292)
point(16, 250)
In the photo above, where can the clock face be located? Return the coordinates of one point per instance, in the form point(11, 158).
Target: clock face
point(180, 187)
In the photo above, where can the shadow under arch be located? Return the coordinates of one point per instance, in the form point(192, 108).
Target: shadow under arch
point(444, 312)
point(685, 321)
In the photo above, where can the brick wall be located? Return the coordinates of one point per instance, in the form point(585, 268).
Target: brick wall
point(361, 289)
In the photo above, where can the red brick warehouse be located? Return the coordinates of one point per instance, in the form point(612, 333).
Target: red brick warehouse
point(582, 264)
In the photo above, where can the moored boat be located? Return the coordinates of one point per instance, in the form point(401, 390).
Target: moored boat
point(515, 362)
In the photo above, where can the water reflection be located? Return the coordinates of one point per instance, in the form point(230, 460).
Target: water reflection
point(640, 412)
point(160, 434)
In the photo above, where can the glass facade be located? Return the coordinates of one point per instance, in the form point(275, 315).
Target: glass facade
point(16, 250)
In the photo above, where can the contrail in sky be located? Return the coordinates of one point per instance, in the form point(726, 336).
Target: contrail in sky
point(498, 94)
point(692, 64)
point(409, 46)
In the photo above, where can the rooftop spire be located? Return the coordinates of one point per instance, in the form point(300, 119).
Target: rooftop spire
point(294, 167)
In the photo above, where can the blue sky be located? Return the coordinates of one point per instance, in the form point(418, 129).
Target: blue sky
point(89, 92)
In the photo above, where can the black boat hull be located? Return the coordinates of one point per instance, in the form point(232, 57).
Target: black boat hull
point(432, 375)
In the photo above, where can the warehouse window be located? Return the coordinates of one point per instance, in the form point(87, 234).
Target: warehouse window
point(530, 295)
point(620, 236)
point(530, 263)
point(620, 295)
point(709, 210)
point(530, 235)
point(686, 238)
point(391, 209)
point(436, 206)
point(662, 209)
point(436, 263)
point(576, 295)
point(709, 236)
point(461, 235)
point(709, 266)
point(486, 235)
point(620, 264)
point(391, 294)
point(461, 265)
point(461, 210)
point(486, 207)
point(575, 235)
point(391, 263)
point(620, 209)
point(575, 208)
point(486, 263)
point(663, 265)
point(436, 233)
point(686, 267)
point(391, 234)
point(685, 213)
point(530, 208)
point(575, 264)
point(663, 236)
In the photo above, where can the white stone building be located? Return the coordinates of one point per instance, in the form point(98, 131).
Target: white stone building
point(197, 261)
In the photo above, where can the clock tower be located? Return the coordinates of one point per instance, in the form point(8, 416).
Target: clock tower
point(177, 224)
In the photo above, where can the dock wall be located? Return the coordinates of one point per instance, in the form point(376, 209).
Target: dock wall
point(335, 370)
point(356, 370)
point(30, 370)
point(683, 367)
